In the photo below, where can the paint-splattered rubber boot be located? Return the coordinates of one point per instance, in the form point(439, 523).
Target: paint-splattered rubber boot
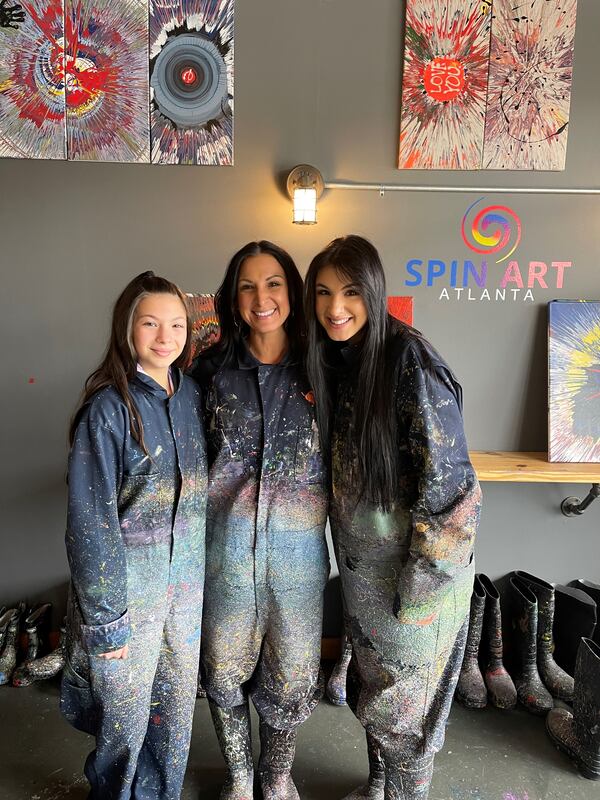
point(593, 590)
point(574, 617)
point(500, 686)
point(470, 690)
point(277, 750)
point(530, 690)
point(232, 726)
point(407, 779)
point(44, 668)
point(374, 788)
point(578, 734)
point(555, 679)
point(336, 685)
point(8, 659)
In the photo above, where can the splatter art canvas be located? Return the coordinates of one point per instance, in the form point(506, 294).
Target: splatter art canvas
point(574, 381)
point(444, 84)
point(529, 93)
point(106, 61)
point(146, 81)
point(486, 85)
point(32, 80)
point(205, 325)
point(191, 83)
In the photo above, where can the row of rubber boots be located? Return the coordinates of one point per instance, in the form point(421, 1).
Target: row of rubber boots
point(277, 750)
point(34, 622)
point(537, 677)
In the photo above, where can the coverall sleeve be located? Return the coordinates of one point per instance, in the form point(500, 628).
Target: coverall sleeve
point(445, 513)
point(95, 546)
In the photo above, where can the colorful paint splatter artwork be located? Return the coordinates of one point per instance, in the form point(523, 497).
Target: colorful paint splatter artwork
point(191, 83)
point(444, 84)
point(135, 81)
point(574, 381)
point(106, 61)
point(205, 325)
point(531, 66)
point(486, 84)
point(32, 82)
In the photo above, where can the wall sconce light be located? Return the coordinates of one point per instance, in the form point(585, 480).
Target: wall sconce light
point(305, 186)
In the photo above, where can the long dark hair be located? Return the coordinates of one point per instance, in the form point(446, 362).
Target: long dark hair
point(232, 327)
point(357, 261)
point(119, 364)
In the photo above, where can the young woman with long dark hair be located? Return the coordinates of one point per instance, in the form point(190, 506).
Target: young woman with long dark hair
point(135, 542)
point(267, 560)
point(404, 511)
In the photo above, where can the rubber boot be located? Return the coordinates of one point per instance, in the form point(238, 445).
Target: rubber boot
point(578, 734)
point(43, 668)
point(574, 618)
point(530, 690)
point(500, 686)
point(8, 659)
point(470, 689)
point(232, 726)
point(593, 590)
point(277, 750)
point(35, 622)
point(374, 788)
point(407, 779)
point(336, 685)
point(556, 680)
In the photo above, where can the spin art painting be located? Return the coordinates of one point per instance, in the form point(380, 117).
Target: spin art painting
point(486, 85)
point(574, 381)
point(147, 81)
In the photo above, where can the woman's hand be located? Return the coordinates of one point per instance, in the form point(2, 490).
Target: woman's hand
point(122, 653)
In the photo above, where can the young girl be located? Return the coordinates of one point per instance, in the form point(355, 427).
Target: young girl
point(404, 511)
point(266, 556)
point(135, 542)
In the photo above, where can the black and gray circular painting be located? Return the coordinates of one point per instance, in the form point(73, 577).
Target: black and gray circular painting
point(189, 80)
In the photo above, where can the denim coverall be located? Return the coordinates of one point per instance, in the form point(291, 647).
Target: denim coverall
point(266, 555)
point(135, 542)
point(406, 575)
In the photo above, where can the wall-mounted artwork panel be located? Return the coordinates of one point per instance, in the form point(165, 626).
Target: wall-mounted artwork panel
point(147, 81)
point(106, 61)
point(486, 85)
point(32, 81)
point(574, 381)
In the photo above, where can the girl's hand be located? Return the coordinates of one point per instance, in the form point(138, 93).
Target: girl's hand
point(122, 653)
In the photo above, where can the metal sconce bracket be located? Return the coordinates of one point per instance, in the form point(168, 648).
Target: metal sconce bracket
point(305, 177)
point(574, 507)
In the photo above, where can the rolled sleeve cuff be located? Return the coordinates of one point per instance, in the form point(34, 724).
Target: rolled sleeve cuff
point(99, 639)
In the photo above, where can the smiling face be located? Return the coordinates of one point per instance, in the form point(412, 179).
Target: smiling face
point(262, 294)
point(339, 307)
point(159, 333)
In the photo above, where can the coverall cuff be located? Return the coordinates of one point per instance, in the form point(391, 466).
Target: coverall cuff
point(99, 639)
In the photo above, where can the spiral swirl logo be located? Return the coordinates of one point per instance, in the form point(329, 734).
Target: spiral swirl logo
point(493, 229)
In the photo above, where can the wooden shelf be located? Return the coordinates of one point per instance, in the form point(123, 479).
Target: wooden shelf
point(496, 465)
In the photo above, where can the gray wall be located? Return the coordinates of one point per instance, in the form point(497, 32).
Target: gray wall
point(316, 82)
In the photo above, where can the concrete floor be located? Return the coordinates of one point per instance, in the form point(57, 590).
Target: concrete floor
point(488, 755)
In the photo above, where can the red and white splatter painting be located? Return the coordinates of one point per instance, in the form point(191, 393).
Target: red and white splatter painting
point(487, 85)
point(444, 85)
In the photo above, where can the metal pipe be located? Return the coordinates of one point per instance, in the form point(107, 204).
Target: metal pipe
point(395, 187)
point(573, 507)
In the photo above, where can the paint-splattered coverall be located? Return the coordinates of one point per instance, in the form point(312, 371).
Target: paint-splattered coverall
point(406, 575)
point(266, 555)
point(135, 541)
